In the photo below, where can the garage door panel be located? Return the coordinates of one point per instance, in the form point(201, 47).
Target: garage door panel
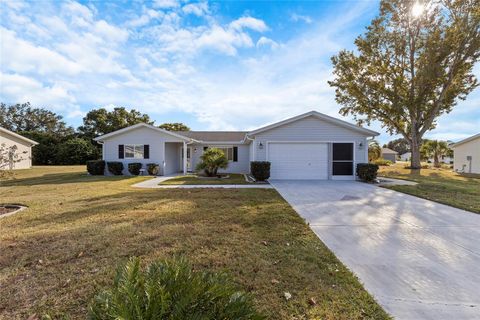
point(298, 160)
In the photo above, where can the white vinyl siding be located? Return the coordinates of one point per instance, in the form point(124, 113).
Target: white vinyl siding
point(24, 150)
point(311, 129)
point(139, 136)
point(298, 160)
point(464, 150)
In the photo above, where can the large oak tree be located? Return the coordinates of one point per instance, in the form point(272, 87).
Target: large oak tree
point(413, 64)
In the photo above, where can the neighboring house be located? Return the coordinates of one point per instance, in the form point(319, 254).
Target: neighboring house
point(389, 154)
point(309, 146)
point(21, 158)
point(466, 155)
point(406, 156)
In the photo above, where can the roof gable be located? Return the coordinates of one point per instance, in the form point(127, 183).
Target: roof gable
point(474, 137)
point(320, 116)
point(140, 125)
point(16, 135)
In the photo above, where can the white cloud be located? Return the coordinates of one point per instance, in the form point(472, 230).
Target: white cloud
point(110, 32)
point(198, 9)
point(250, 23)
point(22, 56)
point(266, 42)
point(18, 88)
point(165, 4)
point(298, 17)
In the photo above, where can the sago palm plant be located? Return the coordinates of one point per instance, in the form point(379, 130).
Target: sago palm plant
point(212, 160)
point(171, 290)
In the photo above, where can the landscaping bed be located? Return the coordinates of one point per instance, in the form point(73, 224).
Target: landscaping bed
point(7, 209)
point(78, 228)
point(193, 179)
point(438, 184)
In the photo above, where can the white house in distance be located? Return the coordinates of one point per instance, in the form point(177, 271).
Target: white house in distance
point(309, 146)
point(8, 140)
point(466, 155)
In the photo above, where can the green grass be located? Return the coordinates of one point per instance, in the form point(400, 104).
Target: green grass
point(60, 251)
point(194, 179)
point(440, 185)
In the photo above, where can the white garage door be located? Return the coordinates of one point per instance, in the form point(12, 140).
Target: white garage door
point(298, 160)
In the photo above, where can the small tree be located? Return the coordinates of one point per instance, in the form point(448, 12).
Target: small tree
point(435, 149)
point(9, 155)
point(374, 150)
point(212, 160)
point(76, 151)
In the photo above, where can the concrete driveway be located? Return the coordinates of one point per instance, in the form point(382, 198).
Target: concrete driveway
point(420, 259)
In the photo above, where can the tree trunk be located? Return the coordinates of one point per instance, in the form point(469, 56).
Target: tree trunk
point(415, 159)
point(436, 161)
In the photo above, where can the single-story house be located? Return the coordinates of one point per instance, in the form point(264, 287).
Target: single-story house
point(466, 155)
point(389, 154)
point(17, 148)
point(406, 156)
point(309, 146)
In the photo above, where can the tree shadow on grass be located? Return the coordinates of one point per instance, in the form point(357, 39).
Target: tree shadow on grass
point(60, 178)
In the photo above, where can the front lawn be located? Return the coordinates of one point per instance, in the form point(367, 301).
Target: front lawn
point(195, 179)
point(56, 254)
point(441, 185)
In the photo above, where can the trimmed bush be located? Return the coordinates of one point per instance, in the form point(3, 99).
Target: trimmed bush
point(171, 289)
point(96, 167)
point(367, 171)
point(382, 162)
point(134, 168)
point(153, 169)
point(260, 170)
point(115, 167)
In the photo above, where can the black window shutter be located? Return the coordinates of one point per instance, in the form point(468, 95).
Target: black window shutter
point(146, 151)
point(235, 154)
point(205, 148)
point(120, 151)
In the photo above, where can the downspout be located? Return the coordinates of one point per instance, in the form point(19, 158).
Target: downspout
point(248, 138)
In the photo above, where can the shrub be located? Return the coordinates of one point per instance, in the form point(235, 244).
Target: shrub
point(115, 167)
point(170, 290)
point(212, 160)
point(382, 162)
point(96, 167)
point(134, 168)
point(153, 169)
point(367, 171)
point(76, 151)
point(260, 170)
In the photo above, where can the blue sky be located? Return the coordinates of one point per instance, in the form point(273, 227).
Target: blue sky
point(228, 65)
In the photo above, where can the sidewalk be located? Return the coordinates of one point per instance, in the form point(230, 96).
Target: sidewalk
point(154, 184)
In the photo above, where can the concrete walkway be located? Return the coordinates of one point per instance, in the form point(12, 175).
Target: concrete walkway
point(420, 259)
point(154, 184)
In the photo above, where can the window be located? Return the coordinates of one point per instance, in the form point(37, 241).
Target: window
point(342, 159)
point(134, 151)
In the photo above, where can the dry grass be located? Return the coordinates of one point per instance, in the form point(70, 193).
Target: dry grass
point(194, 179)
point(59, 252)
point(438, 184)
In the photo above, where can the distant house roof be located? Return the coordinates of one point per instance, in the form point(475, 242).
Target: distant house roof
point(16, 135)
point(465, 140)
point(214, 136)
point(388, 151)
